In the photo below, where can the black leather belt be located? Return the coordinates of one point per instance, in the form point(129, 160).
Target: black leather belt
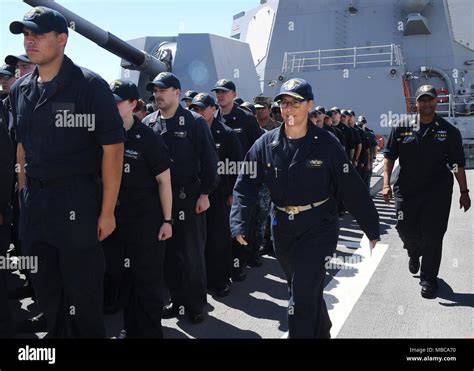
point(56, 182)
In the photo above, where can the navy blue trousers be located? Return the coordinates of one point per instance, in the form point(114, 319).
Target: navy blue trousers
point(302, 246)
point(58, 224)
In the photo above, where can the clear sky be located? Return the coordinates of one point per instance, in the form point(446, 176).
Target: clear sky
point(127, 19)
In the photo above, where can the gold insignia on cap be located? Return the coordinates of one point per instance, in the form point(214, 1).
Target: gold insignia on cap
point(425, 88)
point(291, 84)
point(115, 84)
point(35, 11)
point(200, 96)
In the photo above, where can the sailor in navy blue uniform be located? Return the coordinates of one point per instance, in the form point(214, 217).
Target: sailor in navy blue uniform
point(6, 180)
point(248, 130)
point(328, 125)
point(364, 165)
point(357, 141)
point(427, 148)
point(219, 261)
point(335, 114)
point(188, 97)
point(68, 129)
point(193, 177)
point(306, 171)
point(135, 251)
point(360, 154)
point(373, 147)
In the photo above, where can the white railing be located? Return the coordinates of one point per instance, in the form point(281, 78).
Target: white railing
point(316, 59)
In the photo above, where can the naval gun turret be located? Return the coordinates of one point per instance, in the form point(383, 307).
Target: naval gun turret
point(199, 60)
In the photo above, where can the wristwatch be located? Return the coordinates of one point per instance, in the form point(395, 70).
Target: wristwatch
point(465, 191)
point(169, 221)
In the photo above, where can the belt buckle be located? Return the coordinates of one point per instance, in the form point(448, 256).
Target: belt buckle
point(292, 210)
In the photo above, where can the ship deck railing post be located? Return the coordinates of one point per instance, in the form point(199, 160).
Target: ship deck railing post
point(451, 105)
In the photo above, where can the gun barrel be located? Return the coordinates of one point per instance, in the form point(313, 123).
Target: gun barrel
point(140, 60)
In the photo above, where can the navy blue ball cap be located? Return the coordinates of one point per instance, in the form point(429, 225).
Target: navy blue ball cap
point(297, 88)
point(41, 20)
point(426, 90)
point(345, 112)
point(225, 85)
point(7, 70)
point(13, 59)
point(239, 101)
point(164, 80)
point(334, 109)
point(249, 107)
point(202, 100)
point(189, 95)
point(321, 109)
point(362, 120)
point(124, 90)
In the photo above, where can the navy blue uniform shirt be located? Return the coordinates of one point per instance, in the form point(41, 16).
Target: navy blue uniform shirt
point(424, 156)
point(191, 147)
point(373, 142)
point(348, 137)
point(318, 170)
point(363, 158)
point(356, 136)
point(244, 124)
point(337, 132)
point(9, 121)
point(229, 148)
point(6, 162)
point(145, 157)
point(63, 129)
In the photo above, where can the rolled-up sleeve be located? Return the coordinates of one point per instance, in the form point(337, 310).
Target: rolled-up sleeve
point(455, 149)
point(391, 150)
